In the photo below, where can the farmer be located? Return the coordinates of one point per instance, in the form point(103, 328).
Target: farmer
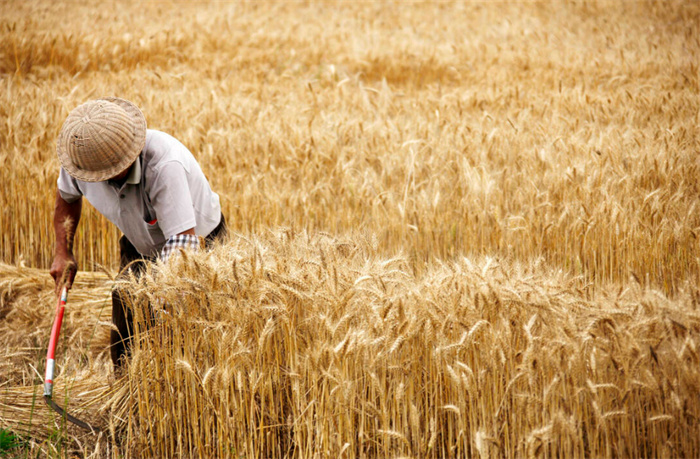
point(142, 180)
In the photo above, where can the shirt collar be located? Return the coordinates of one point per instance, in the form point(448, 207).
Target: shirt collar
point(134, 177)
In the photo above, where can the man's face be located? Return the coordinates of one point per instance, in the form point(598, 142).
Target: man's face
point(123, 175)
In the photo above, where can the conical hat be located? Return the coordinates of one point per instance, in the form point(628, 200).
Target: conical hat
point(101, 138)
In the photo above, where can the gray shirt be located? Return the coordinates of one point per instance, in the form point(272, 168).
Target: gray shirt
point(165, 194)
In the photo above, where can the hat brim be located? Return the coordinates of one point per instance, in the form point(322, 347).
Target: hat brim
point(130, 154)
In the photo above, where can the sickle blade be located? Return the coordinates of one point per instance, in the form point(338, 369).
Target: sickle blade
point(68, 416)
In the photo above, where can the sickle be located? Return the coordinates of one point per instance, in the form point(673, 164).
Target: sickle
point(50, 363)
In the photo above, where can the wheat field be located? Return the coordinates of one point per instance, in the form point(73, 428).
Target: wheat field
point(458, 229)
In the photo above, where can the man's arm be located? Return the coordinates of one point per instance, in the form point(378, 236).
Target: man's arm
point(65, 220)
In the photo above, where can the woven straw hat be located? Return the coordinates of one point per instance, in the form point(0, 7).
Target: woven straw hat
point(101, 138)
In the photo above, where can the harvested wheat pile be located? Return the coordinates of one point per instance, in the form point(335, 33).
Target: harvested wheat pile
point(27, 302)
point(302, 345)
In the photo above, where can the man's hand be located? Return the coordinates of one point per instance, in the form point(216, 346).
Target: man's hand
point(63, 271)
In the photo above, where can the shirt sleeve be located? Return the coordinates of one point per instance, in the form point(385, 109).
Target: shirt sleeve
point(177, 242)
point(171, 199)
point(68, 187)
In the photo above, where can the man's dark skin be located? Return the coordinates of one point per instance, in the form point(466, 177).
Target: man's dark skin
point(65, 220)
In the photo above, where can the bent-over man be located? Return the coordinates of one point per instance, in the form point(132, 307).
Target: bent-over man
point(144, 181)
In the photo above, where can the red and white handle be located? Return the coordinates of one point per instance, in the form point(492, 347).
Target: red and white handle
point(55, 332)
